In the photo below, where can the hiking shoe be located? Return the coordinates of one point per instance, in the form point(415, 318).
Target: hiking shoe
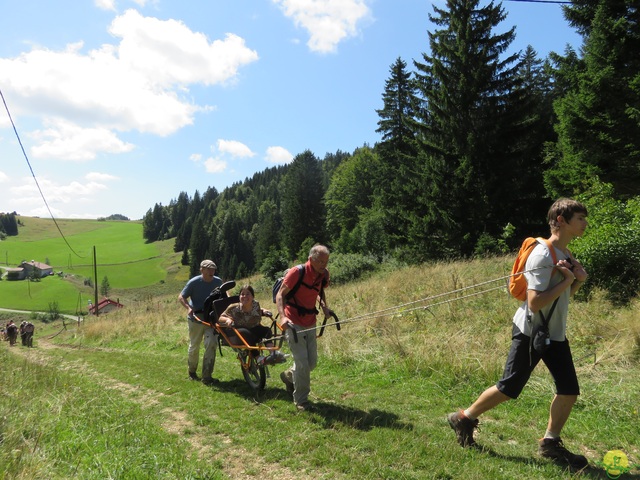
point(210, 381)
point(305, 407)
point(288, 383)
point(463, 426)
point(194, 376)
point(276, 357)
point(554, 449)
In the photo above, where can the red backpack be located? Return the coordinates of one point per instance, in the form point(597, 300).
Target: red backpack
point(517, 280)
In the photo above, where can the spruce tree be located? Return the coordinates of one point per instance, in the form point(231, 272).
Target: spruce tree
point(302, 202)
point(105, 287)
point(599, 120)
point(475, 121)
point(198, 245)
point(398, 173)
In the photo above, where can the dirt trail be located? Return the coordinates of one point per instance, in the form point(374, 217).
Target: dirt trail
point(235, 466)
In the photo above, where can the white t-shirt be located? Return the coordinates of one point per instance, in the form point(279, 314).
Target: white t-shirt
point(542, 279)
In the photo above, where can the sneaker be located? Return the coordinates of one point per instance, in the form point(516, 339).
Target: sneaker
point(194, 376)
point(288, 383)
point(463, 426)
point(210, 381)
point(276, 357)
point(305, 407)
point(554, 449)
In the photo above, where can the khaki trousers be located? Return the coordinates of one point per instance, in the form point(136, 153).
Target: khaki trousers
point(198, 332)
point(305, 359)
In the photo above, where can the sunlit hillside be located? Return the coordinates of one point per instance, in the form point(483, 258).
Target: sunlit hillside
point(134, 269)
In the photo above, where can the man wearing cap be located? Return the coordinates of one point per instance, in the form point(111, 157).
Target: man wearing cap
point(197, 290)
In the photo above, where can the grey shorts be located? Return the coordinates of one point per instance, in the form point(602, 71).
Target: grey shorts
point(522, 360)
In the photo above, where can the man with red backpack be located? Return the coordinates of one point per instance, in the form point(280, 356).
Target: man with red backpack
point(296, 302)
point(545, 308)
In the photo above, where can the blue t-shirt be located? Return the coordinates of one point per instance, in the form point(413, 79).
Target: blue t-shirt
point(197, 291)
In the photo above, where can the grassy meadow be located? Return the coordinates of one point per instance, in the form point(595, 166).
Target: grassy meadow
point(133, 267)
point(110, 397)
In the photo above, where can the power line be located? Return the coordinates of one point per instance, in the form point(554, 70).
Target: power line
point(34, 176)
point(541, 1)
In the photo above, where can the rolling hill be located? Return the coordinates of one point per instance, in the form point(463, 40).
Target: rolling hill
point(133, 268)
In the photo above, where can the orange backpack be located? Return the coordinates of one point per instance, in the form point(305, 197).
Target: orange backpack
point(517, 280)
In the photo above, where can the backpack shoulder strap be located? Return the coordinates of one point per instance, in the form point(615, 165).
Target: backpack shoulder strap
point(547, 319)
point(295, 288)
point(552, 250)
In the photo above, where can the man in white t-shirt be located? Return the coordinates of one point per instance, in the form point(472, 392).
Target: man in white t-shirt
point(546, 283)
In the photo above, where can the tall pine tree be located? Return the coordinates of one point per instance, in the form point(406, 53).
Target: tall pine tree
point(302, 205)
point(599, 120)
point(397, 154)
point(475, 128)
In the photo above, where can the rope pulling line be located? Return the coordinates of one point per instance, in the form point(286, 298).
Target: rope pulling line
point(399, 309)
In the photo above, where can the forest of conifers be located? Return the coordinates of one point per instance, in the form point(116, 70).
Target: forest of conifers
point(475, 145)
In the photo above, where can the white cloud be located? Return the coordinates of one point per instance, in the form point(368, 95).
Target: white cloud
point(327, 21)
point(215, 165)
point(64, 140)
point(3, 177)
point(106, 4)
point(27, 195)
point(168, 53)
point(278, 155)
point(138, 84)
point(234, 148)
point(224, 151)
point(100, 177)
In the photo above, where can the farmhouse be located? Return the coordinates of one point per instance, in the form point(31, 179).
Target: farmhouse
point(18, 273)
point(38, 269)
point(105, 305)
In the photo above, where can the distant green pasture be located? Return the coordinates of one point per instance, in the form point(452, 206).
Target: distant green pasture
point(121, 255)
point(34, 228)
point(37, 296)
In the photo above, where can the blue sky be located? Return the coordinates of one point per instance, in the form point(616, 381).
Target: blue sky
point(122, 104)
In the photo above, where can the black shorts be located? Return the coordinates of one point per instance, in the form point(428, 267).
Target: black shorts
point(522, 360)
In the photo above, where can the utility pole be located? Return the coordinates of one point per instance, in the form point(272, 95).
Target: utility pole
point(95, 279)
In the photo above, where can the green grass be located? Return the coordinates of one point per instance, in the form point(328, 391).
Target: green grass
point(133, 267)
point(111, 399)
point(77, 429)
point(36, 296)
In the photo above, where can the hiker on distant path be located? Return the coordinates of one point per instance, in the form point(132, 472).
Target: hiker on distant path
point(29, 329)
point(196, 291)
point(548, 292)
point(299, 313)
point(245, 317)
point(12, 332)
point(23, 333)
